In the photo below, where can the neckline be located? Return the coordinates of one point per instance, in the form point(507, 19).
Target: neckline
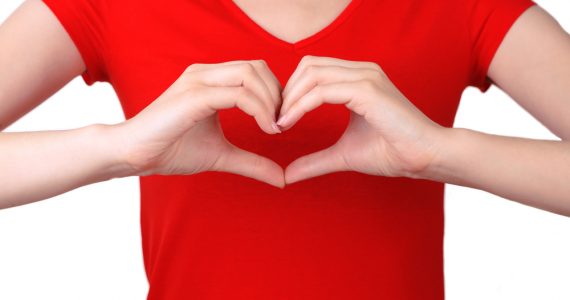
point(326, 30)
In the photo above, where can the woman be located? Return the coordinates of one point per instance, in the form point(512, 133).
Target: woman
point(357, 212)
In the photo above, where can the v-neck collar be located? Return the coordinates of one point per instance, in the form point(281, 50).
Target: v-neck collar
point(338, 20)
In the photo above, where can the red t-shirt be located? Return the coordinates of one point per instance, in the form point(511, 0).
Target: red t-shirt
point(344, 235)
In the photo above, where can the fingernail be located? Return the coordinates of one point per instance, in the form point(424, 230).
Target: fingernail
point(275, 127)
point(282, 120)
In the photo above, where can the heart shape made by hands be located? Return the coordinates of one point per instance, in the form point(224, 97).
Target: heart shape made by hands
point(378, 131)
point(316, 130)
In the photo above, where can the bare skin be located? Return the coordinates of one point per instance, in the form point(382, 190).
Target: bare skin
point(532, 73)
point(292, 21)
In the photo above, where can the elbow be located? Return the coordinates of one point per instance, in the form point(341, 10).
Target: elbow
point(4, 122)
point(563, 136)
point(562, 132)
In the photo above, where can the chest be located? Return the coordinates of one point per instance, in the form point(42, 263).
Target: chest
point(417, 46)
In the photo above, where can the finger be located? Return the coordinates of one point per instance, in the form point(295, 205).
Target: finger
point(235, 74)
point(271, 81)
point(322, 162)
point(315, 74)
point(212, 99)
point(312, 60)
point(249, 164)
point(348, 93)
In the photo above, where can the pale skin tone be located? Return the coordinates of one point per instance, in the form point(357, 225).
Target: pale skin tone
point(532, 65)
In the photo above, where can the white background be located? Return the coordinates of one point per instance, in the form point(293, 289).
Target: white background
point(85, 244)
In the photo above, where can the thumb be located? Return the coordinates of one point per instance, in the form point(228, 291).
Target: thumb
point(322, 162)
point(238, 161)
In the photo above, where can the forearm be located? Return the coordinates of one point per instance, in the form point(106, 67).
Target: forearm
point(38, 165)
point(530, 171)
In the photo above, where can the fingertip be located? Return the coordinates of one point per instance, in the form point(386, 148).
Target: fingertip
point(289, 179)
point(291, 173)
point(283, 91)
point(277, 178)
point(282, 120)
point(285, 127)
point(275, 127)
point(266, 125)
point(281, 184)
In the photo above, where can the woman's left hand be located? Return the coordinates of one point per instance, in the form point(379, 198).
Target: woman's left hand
point(387, 135)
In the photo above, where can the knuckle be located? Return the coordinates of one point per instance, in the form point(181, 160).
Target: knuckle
point(243, 101)
point(315, 94)
point(261, 62)
point(191, 67)
point(248, 70)
point(379, 71)
point(368, 85)
point(317, 90)
point(247, 67)
point(307, 58)
point(375, 65)
point(376, 75)
point(190, 90)
point(312, 72)
point(242, 92)
point(246, 97)
point(186, 79)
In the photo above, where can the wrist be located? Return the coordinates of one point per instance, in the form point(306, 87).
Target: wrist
point(112, 149)
point(445, 148)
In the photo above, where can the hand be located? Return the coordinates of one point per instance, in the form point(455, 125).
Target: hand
point(180, 133)
point(387, 135)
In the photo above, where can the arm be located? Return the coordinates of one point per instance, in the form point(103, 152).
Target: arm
point(529, 171)
point(533, 66)
point(38, 165)
point(67, 159)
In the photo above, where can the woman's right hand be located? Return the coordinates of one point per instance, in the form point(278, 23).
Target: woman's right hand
point(180, 133)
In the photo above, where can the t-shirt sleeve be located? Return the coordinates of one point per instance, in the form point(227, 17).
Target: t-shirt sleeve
point(488, 23)
point(84, 21)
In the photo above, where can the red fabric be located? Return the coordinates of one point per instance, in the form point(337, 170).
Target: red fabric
point(338, 236)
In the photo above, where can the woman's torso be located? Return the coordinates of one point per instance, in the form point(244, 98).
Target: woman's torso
point(344, 235)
